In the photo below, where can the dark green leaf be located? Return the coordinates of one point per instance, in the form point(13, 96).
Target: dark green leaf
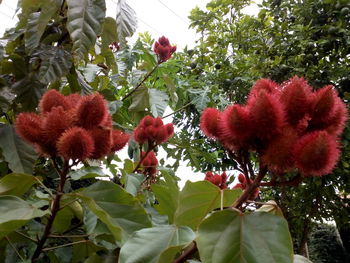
point(133, 183)
point(140, 100)
point(14, 213)
point(109, 33)
point(198, 199)
point(19, 155)
point(200, 97)
point(87, 172)
point(155, 245)
point(229, 236)
point(126, 21)
point(16, 184)
point(6, 98)
point(85, 19)
point(119, 210)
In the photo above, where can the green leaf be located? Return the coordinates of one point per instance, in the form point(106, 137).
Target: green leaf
point(16, 184)
point(87, 172)
point(133, 183)
point(62, 220)
point(37, 23)
point(140, 100)
point(272, 208)
point(158, 101)
point(300, 259)
point(200, 97)
point(155, 245)
point(55, 63)
point(6, 98)
point(229, 236)
point(119, 210)
point(126, 21)
point(109, 32)
point(14, 213)
point(167, 196)
point(197, 199)
point(19, 155)
point(85, 20)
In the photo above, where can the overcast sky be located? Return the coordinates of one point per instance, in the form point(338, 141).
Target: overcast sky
point(158, 17)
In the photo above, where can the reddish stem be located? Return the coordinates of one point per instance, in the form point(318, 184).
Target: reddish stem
point(143, 157)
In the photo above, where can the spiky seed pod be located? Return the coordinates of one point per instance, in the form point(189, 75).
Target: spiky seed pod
point(236, 123)
point(241, 179)
point(55, 123)
point(119, 140)
point(170, 129)
point(336, 123)
point(28, 127)
point(102, 142)
point(209, 122)
point(158, 122)
point(140, 135)
point(265, 85)
point(268, 116)
point(162, 135)
point(295, 97)
point(147, 121)
point(51, 99)
point(279, 152)
point(73, 99)
point(323, 106)
point(75, 143)
point(316, 153)
point(91, 111)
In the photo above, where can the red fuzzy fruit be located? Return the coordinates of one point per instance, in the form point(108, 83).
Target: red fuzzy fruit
point(336, 123)
point(55, 123)
point(268, 116)
point(76, 144)
point(162, 135)
point(316, 153)
point(91, 111)
point(278, 155)
point(265, 85)
point(157, 122)
point(242, 179)
point(239, 186)
point(147, 121)
point(163, 49)
point(209, 122)
point(52, 98)
point(28, 127)
point(296, 99)
point(73, 100)
point(119, 140)
point(102, 142)
point(140, 135)
point(170, 129)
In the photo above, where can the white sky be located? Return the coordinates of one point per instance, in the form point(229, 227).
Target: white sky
point(158, 17)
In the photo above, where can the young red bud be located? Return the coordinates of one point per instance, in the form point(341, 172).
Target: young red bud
point(162, 135)
point(263, 85)
point(102, 141)
point(140, 135)
point(76, 144)
point(170, 129)
point(147, 121)
point(28, 127)
point(158, 122)
point(119, 140)
point(241, 179)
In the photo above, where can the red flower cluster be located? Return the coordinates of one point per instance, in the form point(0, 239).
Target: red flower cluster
point(73, 127)
point(149, 163)
point(243, 185)
point(153, 130)
point(218, 180)
point(289, 125)
point(163, 49)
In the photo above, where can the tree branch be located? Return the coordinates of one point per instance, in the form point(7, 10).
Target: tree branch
point(187, 254)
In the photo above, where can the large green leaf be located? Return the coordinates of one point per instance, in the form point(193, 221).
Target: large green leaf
point(19, 155)
point(16, 184)
point(126, 21)
point(109, 32)
point(14, 213)
point(158, 101)
point(230, 236)
point(133, 183)
point(167, 195)
point(200, 97)
point(37, 23)
point(119, 210)
point(197, 199)
point(6, 98)
point(55, 63)
point(87, 172)
point(155, 245)
point(140, 100)
point(85, 20)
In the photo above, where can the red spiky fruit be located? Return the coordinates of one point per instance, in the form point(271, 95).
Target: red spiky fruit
point(209, 122)
point(51, 99)
point(295, 97)
point(316, 153)
point(28, 127)
point(91, 111)
point(119, 140)
point(73, 99)
point(102, 142)
point(75, 143)
point(265, 85)
point(147, 121)
point(336, 123)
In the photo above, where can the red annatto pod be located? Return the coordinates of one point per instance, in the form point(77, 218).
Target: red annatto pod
point(336, 124)
point(296, 94)
point(265, 85)
point(28, 127)
point(76, 144)
point(242, 179)
point(268, 116)
point(102, 142)
point(73, 99)
point(91, 111)
point(316, 153)
point(149, 163)
point(163, 49)
point(55, 123)
point(278, 155)
point(243, 185)
point(119, 140)
point(51, 99)
point(209, 122)
point(218, 180)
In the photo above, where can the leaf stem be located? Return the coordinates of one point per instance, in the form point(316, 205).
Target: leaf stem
point(140, 83)
point(14, 248)
point(25, 236)
point(178, 110)
point(66, 245)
